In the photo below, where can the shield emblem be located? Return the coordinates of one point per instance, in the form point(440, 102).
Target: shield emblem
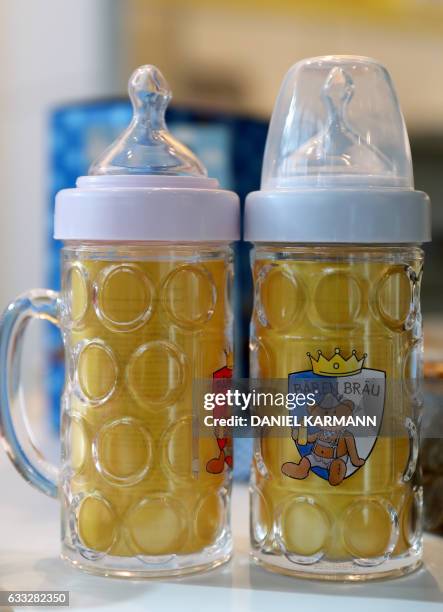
point(353, 390)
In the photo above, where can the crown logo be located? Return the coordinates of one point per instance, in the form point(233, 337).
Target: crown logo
point(337, 365)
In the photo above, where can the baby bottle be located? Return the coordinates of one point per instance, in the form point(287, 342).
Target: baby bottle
point(337, 266)
point(144, 311)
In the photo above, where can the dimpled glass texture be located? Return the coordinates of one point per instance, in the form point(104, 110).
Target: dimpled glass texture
point(362, 298)
point(140, 323)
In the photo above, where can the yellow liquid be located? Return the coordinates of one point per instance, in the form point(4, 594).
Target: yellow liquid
point(140, 332)
point(352, 300)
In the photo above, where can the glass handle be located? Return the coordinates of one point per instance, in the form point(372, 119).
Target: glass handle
point(35, 304)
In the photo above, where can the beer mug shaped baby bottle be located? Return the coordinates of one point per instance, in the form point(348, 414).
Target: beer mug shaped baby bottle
point(337, 266)
point(144, 311)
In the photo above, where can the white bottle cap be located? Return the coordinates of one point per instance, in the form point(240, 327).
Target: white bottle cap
point(147, 185)
point(337, 165)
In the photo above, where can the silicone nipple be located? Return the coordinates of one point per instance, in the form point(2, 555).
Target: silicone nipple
point(147, 146)
point(338, 149)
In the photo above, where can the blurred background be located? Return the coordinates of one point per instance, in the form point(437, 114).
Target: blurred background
point(64, 67)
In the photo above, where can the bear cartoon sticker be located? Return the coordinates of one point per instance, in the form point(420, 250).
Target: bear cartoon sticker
point(343, 388)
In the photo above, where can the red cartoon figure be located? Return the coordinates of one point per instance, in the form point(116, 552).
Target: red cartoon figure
point(224, 442)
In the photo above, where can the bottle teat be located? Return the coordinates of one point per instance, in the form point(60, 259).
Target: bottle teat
point(338, 149)
point(147, 147)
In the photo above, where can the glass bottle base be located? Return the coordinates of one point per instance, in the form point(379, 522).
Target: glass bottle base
point(345, 571)
point(144, 568)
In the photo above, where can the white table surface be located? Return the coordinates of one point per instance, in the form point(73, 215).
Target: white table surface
point(29, 548)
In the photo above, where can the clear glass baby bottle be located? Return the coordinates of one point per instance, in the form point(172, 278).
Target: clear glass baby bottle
point(337, 266)
point(144, 310)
